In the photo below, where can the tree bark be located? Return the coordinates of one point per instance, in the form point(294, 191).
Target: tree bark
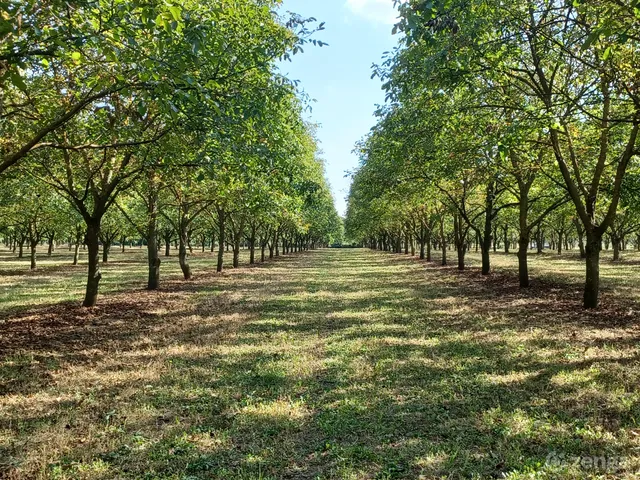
point(580, 230)
point(51, 246)
point(236, 254)
point(506, 239)
point(183, 257)
point(523, 262)
point(94, 274)
point(443, 242)
point(592, 283)
point(487, 237)
point(34, 247)
point(540, 241)
point(616, 248)
point(153, 282)
point(559, 243)
point(252, 247)
point(524, 236)
point(460, 234)
point(106, 247)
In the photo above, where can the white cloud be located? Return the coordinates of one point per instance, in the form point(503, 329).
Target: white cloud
point(377, 11)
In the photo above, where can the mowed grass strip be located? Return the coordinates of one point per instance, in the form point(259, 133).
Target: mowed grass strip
point(334, 364)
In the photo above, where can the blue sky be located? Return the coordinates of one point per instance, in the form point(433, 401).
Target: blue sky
point(338, 76)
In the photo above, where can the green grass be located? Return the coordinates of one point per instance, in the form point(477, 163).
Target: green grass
point(335, 364)
point(57, 280)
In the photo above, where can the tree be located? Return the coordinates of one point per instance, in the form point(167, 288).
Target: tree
point(569, 64)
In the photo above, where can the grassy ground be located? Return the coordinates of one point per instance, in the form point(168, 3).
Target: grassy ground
point(335, 364)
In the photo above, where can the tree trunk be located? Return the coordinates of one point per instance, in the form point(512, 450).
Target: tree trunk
point(443, 243)
point(524, 237)
point(76, 253)
point(540, 241)
point(523, 263)
point(616, 248)
point(560, 243)
point(460, 236)
point(592, 284)
point(252, 247)
point(106, 247)
point(94, 275)
point(236, 254)
point(167, 247)
point(221, 240)
point(34, 246)
point(153, 282)
point(506, 239)
point(580, 230)
point(51, 246)
point(486, 240)
point(183, 257)
point(494, 237)
point(461, 253)
point(154, 265)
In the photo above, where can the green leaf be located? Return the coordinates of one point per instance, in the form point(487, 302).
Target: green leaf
point(176, 12)
point(17, 80)
point(593, 37)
